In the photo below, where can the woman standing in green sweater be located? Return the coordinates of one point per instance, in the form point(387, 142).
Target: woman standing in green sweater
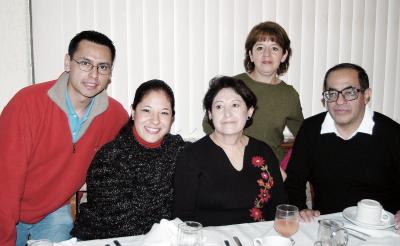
point(267, 57)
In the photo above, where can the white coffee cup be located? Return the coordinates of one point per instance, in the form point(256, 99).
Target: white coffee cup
point(371, 212)
point(272, 241)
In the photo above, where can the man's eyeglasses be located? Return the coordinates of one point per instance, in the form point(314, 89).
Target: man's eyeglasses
point(349, 93)
point(86, 66)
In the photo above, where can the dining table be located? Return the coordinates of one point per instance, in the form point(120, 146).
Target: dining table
point(305, 236)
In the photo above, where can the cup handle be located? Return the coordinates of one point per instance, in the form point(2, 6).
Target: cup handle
point(385, 217)
point(257, 241)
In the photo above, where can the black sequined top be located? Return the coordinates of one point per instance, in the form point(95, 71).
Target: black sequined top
point(129, 187)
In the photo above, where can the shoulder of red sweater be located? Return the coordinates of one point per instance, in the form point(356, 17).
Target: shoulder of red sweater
point(116, 106)
point(114, 102)
point(43, 86)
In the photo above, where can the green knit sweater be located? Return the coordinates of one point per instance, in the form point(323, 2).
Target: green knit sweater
point(277, 106)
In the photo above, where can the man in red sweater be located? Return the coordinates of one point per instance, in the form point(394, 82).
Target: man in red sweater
point(49, 133)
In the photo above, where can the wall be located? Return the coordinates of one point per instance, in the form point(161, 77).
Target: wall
point(186, 42)
point(16, 67)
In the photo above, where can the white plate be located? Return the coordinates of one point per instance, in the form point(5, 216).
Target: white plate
point(350, 214)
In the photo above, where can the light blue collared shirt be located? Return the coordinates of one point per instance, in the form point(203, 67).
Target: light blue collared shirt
point(75, 123)
point(366, 126)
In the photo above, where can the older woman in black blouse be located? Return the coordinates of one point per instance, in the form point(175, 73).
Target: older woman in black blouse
point(227, 177)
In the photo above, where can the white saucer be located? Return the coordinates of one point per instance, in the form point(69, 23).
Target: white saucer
point(351, 212)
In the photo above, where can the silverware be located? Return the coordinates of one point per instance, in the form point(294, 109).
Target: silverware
point(237, 241)
point(360, 232)
point(226, 243)
point(358, 237)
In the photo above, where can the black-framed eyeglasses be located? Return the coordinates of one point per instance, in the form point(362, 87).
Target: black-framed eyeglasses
point(349, 93)
point(86, 66)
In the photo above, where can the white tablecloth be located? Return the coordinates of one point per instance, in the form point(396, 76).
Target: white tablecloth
point(306, 236)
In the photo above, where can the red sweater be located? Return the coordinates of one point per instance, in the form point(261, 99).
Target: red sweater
point(40, 168)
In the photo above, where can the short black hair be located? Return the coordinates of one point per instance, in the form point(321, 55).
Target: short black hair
point(154, 85)
point(362, 75)
point(92, 36)
point(220, 82)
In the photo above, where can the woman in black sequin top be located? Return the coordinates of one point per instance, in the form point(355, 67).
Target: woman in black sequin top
point(129, 183)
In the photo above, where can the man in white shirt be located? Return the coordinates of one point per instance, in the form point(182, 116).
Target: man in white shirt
point(348, 153)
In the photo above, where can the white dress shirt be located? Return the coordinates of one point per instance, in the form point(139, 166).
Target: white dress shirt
point(366, 126)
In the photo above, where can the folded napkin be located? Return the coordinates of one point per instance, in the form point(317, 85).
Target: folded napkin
point(163, 234)
point(70, 242)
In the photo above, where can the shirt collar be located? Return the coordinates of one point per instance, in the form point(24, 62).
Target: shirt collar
point(71, 111)
point(57, 94)
point(366, 126)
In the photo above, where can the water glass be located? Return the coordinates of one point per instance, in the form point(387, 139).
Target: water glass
point(331, 233)
point(190, 234)
point(286, 220)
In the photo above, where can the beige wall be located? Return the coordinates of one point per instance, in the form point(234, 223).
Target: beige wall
point(186, 43)
point(186, 50)
point(15, 64)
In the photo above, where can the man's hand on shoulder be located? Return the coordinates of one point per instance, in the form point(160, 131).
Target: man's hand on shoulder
point(307, 215)
point(397, 221)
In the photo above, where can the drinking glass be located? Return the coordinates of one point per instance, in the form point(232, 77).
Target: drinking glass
point(286, 220)
point(331, 233)
point(190, 233)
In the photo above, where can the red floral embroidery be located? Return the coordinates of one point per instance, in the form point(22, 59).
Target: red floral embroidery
point(256, 214)
point(265, 182)
point(264, 195)
point(260, 182)
point(257, 161)
point(264, 175)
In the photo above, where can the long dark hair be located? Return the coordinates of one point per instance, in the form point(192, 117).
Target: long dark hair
point(154, 85)
point(144, 89)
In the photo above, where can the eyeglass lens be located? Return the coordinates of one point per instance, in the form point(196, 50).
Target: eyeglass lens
point(87, 67)
point(348, 93)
